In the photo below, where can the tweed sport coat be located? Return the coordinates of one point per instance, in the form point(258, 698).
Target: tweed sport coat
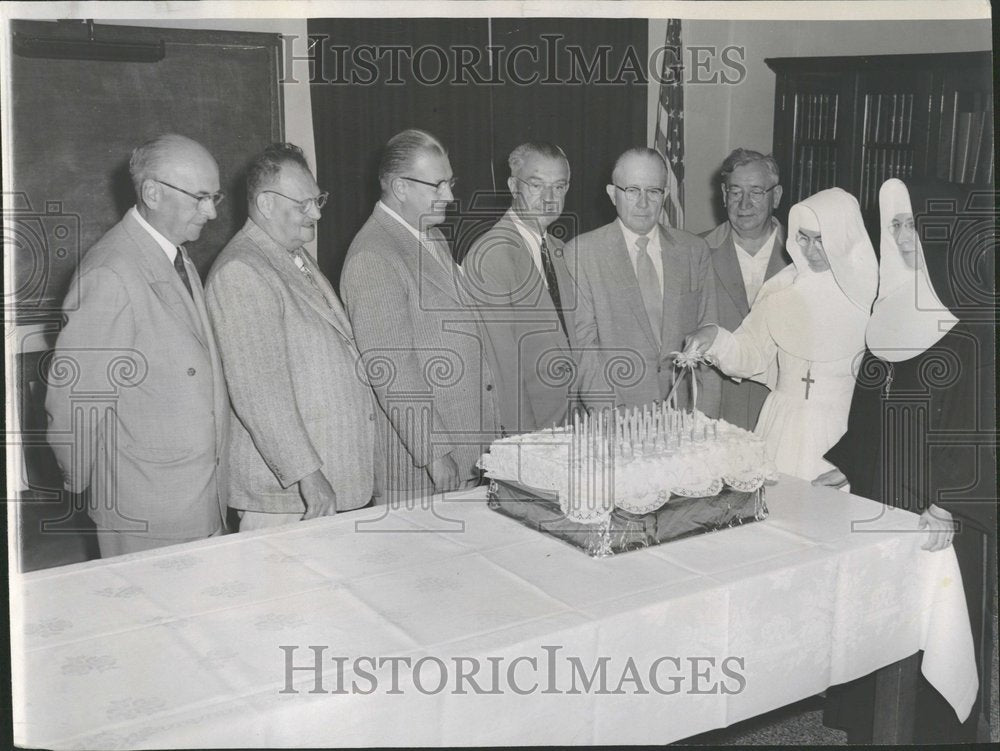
point(136, 400)
point(423, 346)
point(740, 401)
point(620, 359)
point(300, 401)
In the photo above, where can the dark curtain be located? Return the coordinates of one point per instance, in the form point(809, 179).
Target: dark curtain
point(352, 121)
point(593, 116)
point(582, 97)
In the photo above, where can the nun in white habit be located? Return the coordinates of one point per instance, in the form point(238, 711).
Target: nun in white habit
point(805, 333)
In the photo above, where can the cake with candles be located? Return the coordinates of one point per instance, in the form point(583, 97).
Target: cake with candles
point(615, 480)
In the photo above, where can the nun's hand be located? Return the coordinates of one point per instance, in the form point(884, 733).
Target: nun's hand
point(832, 479)
point(698, 342)
point(941, 525)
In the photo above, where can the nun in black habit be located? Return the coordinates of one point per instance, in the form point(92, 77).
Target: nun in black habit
point(922, 428)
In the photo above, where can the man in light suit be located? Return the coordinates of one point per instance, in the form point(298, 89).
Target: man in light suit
point(136, 399)
point(518, 273)
point(746, 251)
point(303, 416)
point(641, 286)
point(421, 342)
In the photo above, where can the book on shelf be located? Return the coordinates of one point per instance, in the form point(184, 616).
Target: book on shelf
point(891, 110)
point(809, 171)
point(909, 117)
point(984, 157)
point(961, 145)
point(946, 137)
point(975, 142)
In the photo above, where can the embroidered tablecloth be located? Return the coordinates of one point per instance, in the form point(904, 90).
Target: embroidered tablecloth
point(357, 630)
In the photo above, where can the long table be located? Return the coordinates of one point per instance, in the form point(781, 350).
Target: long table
point(216, 643)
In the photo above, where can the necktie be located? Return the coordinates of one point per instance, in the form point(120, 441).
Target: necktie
point(300, 264)
point(649, 286)
point(553, 284)
point(441, 255)
point(181, 271)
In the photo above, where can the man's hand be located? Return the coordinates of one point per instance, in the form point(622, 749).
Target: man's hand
point(698, 342)
point(318, 495)
point(941, 525)
point(444, 474)
point(832, 479)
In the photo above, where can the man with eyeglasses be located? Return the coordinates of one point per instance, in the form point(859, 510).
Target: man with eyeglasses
point(518, 274)
point(137, 333)
point(303, 417)
point(642, 286)
point(420, 340)
point(746, 251)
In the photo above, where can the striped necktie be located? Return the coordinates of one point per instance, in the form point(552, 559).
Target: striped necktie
point(649, 286)
point(182, 271)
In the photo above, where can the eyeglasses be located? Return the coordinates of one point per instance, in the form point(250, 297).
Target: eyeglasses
point(632, 193)
point(537, 187)
point(216, 198)
point(804, 241)
point(318, 201)
point(756, 194)
point(439, 186)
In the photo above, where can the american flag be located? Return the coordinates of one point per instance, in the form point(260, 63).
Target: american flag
point(669, 138)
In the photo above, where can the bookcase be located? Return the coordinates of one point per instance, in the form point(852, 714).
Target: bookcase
point(854, 122)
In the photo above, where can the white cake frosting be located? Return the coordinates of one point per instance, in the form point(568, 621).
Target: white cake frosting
point(635, 465)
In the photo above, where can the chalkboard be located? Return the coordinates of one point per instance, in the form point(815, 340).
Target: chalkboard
point(75, 123)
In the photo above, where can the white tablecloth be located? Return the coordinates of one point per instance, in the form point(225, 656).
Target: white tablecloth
point(180, 647)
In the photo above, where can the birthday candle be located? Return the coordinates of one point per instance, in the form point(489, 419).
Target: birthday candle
point(577, 459)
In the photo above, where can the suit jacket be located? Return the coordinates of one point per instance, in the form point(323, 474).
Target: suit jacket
point(531, 355)
point(740, 402)
point(136, 399)
point(299, 401)
point(423, 346)
point(621, 362)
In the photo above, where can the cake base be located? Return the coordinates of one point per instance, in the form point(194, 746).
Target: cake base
point(680, 517)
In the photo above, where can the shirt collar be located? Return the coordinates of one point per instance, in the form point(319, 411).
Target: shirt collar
point(413, 230)
point(521, 224)
point(257, 233)
point(631, 237)
point(769, 241)
point(168, 247)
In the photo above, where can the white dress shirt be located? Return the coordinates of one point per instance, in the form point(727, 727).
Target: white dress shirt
point(168, 247)
point(754, 267)
point(534, 242)
point(653, 249)
point(425, 242)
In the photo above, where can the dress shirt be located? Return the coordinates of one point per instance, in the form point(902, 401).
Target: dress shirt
point(168, 247)
point(534, 242)
point(425, 242)
point(653, 249)
point(754, 267)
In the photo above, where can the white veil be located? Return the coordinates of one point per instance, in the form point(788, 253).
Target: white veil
point(908, 317)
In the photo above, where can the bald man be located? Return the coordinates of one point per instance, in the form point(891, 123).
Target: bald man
point(136, 401)
point(640, 285)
